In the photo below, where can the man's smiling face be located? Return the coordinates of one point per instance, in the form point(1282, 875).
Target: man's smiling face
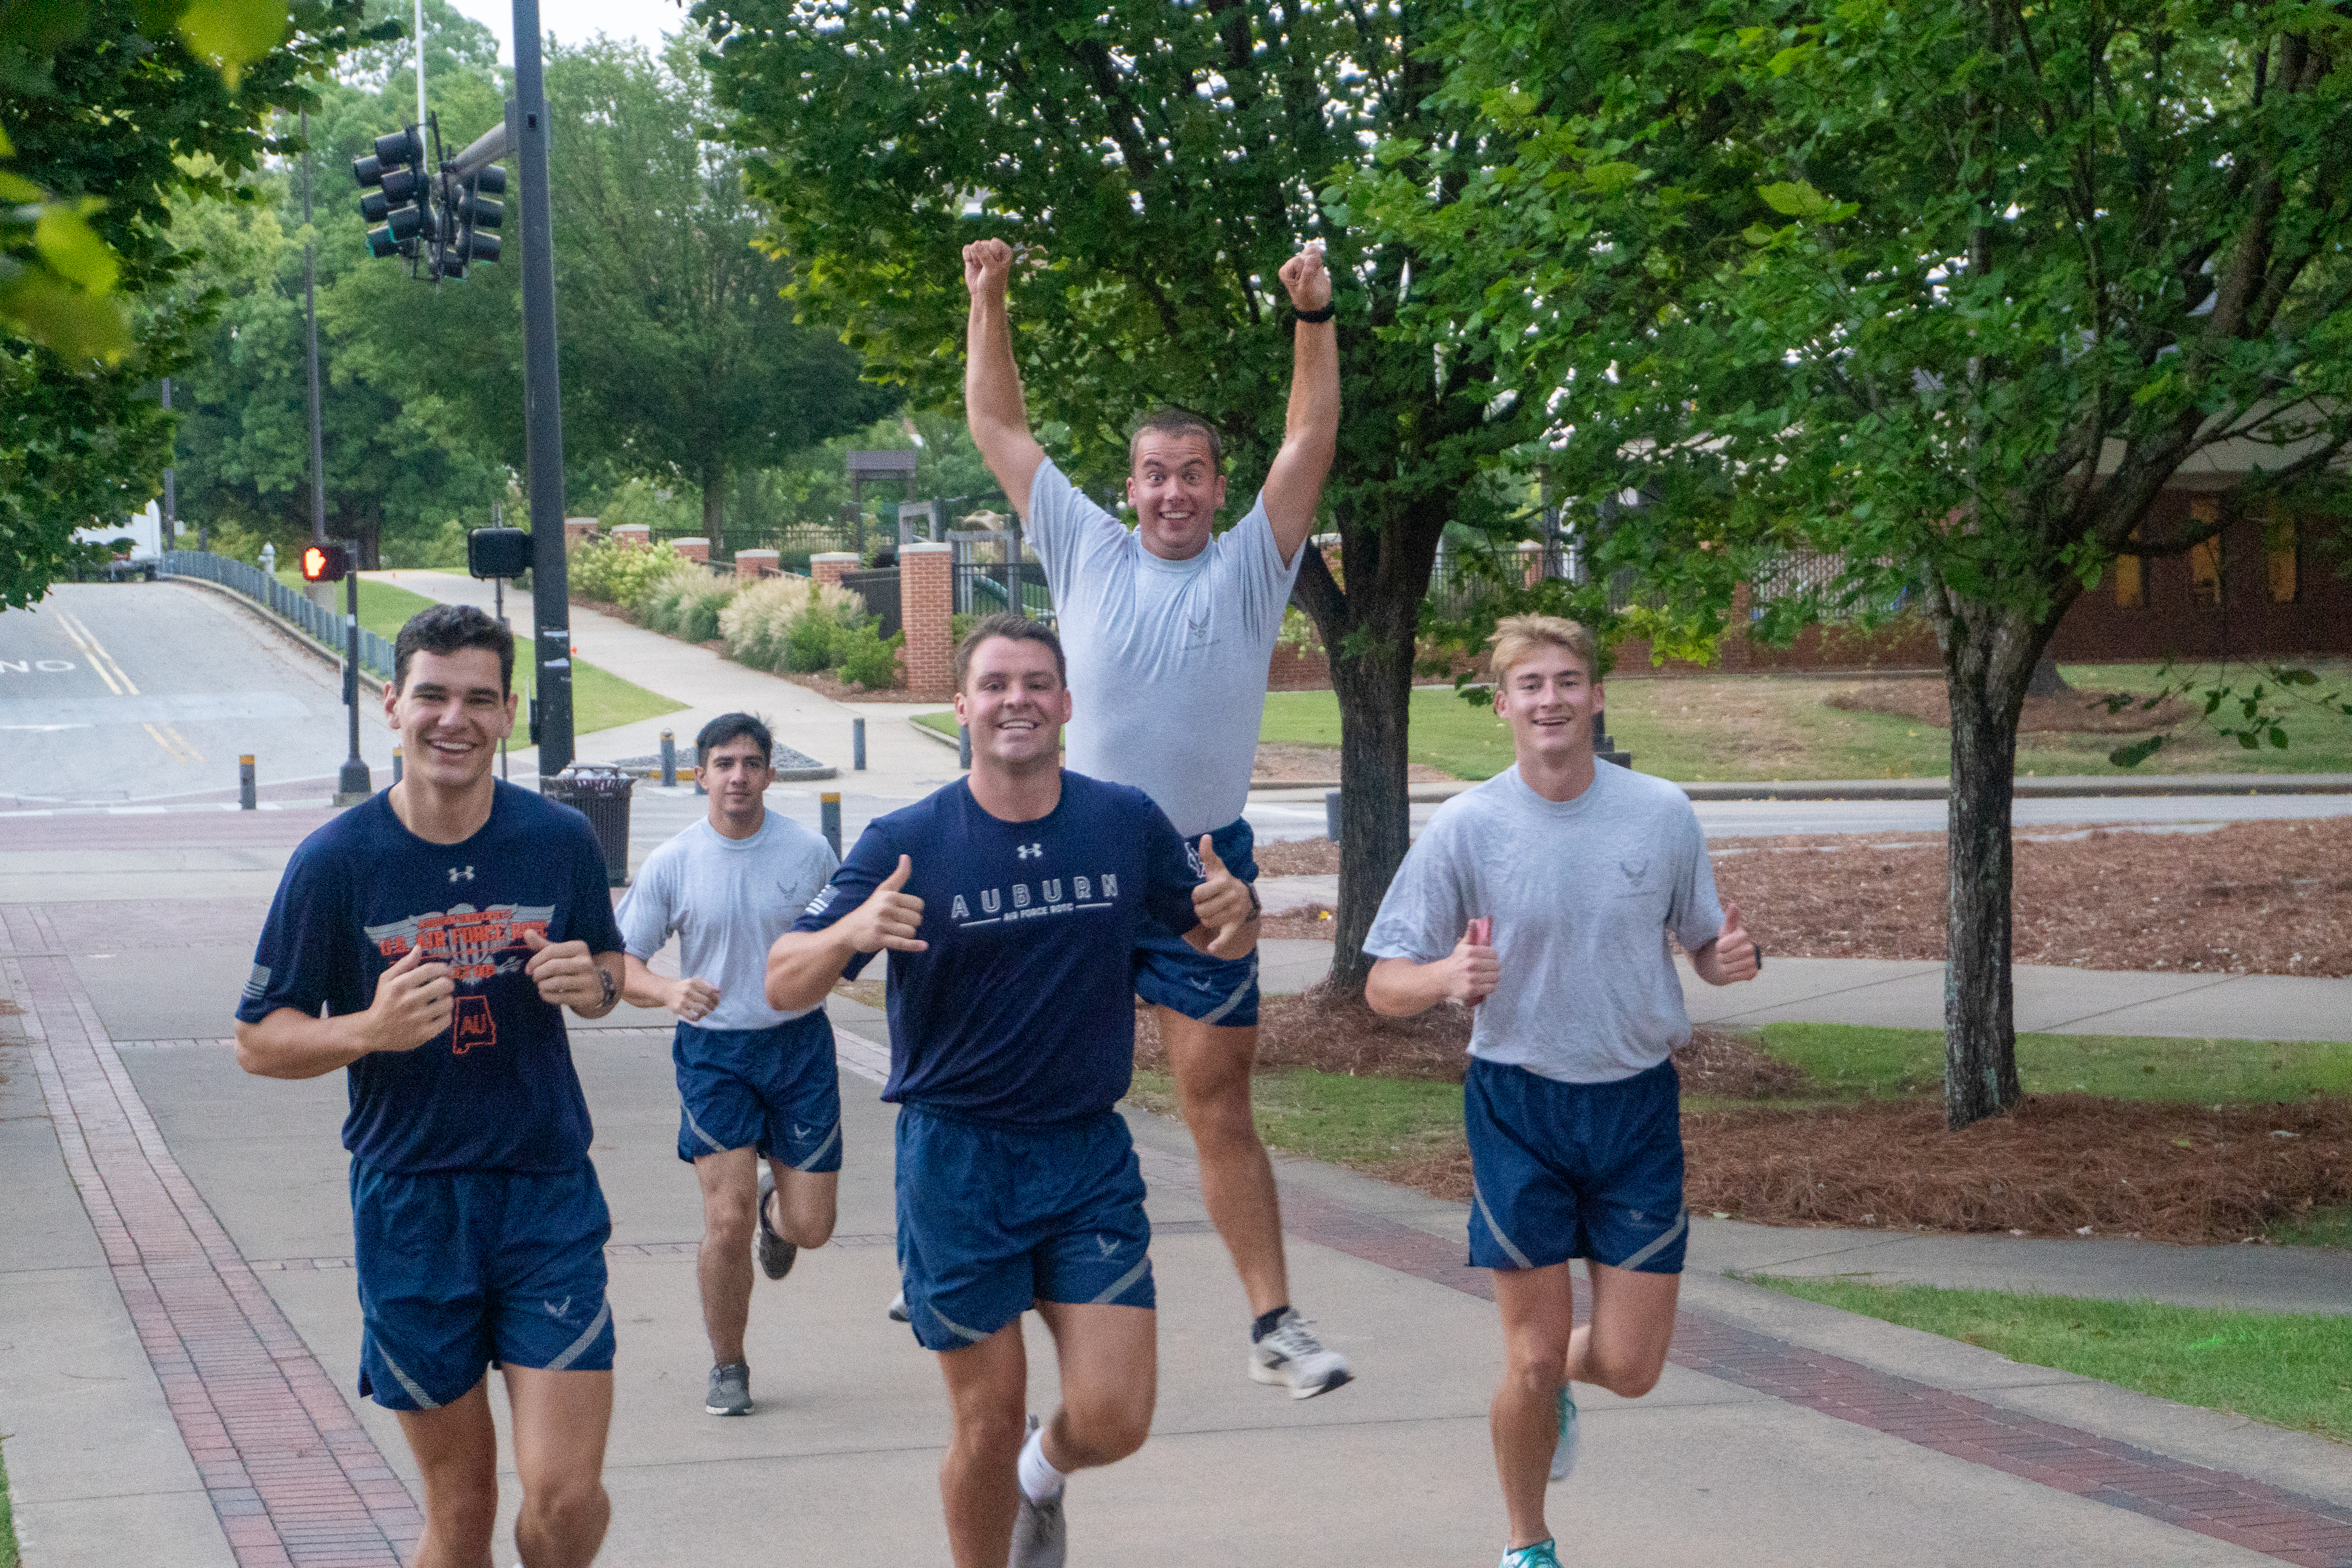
point(451, 715)
point(1015, 704)
point(1176, 490)
point(1548, 698)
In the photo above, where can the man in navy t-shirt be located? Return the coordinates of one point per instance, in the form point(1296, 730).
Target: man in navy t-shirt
point(427, 941)
point(1014, 904)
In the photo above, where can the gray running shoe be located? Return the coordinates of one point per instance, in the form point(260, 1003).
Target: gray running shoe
point(775, 1254)
point(731, 1390)
point(898, 1308)
point(1041, 1537)
point(1292, 1356)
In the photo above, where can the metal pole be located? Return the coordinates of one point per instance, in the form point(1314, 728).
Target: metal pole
point(858, 745)
point(354, 786)
point(963, 745)
point(420, 65)
point(1331, 815)
point(670, 760)
point(499, 606)
point(244, 785)
point(310, 314)
point(543, 401)
point(171, 488)
point(829, 820)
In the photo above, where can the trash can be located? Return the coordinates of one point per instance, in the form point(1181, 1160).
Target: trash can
point(602, 795)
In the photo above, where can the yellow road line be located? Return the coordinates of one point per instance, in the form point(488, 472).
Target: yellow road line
point(193, 754)
point(99, 659)
point(73, 631)
point(169, 750)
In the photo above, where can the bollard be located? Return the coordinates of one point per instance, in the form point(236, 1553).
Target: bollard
point(670, 760)
point(858, 745)
point(1331, 815)
point(244, 787)
point(829, 815)
point(397, 766)
point(963, 745)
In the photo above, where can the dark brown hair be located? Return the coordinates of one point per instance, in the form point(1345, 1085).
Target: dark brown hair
point(446, 628)
point(1176, 422)
point(1018, 628)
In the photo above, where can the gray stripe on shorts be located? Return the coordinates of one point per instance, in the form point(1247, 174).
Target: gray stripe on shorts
point(1240, 991)
point(1672, 1231)
point(1124, 1280)
point(1487, 1214)
point(407, 1382)
point(975, 1336)
point(696, 1127)
point(823, 1149)
point(579, 1347)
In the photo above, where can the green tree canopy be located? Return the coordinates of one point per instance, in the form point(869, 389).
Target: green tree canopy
point(1158, 164)
point(1943, 292)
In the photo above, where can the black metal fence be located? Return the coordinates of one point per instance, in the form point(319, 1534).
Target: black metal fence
point(880, 589)
point(995, 570)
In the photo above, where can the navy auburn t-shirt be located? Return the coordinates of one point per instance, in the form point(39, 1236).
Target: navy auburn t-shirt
point(497, 1091)
point(1023, 1008)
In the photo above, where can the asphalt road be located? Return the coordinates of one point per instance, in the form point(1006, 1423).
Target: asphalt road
point(114, 694)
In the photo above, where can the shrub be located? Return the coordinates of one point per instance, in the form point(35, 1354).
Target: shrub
point(758, 622)
point(866, 660)
point(685, 602)
point(612, 574)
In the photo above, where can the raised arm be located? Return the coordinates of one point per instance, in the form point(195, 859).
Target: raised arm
point(1310, 431)
point(994, 406)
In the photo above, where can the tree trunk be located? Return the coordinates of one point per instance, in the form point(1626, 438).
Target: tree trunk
point(714, 512)
point(1987, 663)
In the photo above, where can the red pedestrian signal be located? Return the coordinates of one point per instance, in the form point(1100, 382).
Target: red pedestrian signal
point(325, 563)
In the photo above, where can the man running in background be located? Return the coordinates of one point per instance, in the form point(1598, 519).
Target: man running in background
point(1011, 904)
point(1543, 898)
point(754, 1083)
point(441, 927)
point(1170, 630)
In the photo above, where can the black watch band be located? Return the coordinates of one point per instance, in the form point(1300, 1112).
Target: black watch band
point(1313, 317)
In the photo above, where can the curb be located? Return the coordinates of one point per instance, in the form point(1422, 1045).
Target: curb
point(374, 683)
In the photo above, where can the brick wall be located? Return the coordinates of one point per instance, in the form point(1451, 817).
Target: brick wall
point(578, 530)
point(827, 565)
point(634, 536)
point(750, 564)
point(925, 599)
point(692, 549)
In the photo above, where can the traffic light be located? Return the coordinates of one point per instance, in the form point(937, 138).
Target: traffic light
point(326, 562)
point(468, 211)
point(399, 192)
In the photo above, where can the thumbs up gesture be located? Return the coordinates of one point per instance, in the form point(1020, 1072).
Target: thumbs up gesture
point(1469, 974)
point(889, 917)
point(1225, 905)
point(1733, 956)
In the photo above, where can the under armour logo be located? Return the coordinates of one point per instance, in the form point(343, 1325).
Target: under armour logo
point(1028, 851)
point(455, 874)
point(1108, 1244)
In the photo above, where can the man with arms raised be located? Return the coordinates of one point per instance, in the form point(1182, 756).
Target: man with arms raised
point(754, 1083)
point(1170, 628)
point(428, 941)
point(1543, 898)
point(1012, 902)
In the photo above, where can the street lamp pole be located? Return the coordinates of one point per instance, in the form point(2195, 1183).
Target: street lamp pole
point(543, 403)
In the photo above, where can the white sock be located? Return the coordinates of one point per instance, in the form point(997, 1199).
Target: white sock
point(1040, 1481)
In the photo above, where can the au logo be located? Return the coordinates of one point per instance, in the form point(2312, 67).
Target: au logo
point(472, 1025)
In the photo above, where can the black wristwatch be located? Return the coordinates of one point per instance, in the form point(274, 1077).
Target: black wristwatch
point(1314, 317)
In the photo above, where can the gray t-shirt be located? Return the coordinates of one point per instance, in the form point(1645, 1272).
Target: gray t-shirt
point(728, 900)
point(1582, 893)
point(1168, 658)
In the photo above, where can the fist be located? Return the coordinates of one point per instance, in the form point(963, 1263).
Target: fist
point(412, 1002)
point(1223, 903)
point(987, 264)
point(564, 972)
point(1472, 970)
point(692, 1000)
point(1306, 277)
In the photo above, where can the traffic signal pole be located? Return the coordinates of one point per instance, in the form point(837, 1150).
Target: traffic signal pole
point(543, 403)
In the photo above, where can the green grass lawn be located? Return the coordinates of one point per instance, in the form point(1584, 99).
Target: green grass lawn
point(8, 1522)
point(1850, 1062)
point(2289, 1369)
point(600, 699)
point(2320, 1227)
point(1332, 1117)
point(1778, 727)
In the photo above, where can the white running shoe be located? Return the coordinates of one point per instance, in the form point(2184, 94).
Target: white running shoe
point(1291, 1355)
point(898, 1308)
point(1563, 1449)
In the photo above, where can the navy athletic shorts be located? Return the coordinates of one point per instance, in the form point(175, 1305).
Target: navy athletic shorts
point(459, 1271)
point(776, 1090)
point(992, 1218)
point(1172, 972)
point(1575, 1170)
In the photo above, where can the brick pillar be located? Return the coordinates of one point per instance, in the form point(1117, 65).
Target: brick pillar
point(1532, 562)
point(753, 564)
point(692, 549)
point(634, 536)
point(926, 597)
point(578, 530)
point(826, 567)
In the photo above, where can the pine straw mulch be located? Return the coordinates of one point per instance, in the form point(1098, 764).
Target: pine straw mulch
point(2057, 1165)
point(2070, 713)
point(2254, 897)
